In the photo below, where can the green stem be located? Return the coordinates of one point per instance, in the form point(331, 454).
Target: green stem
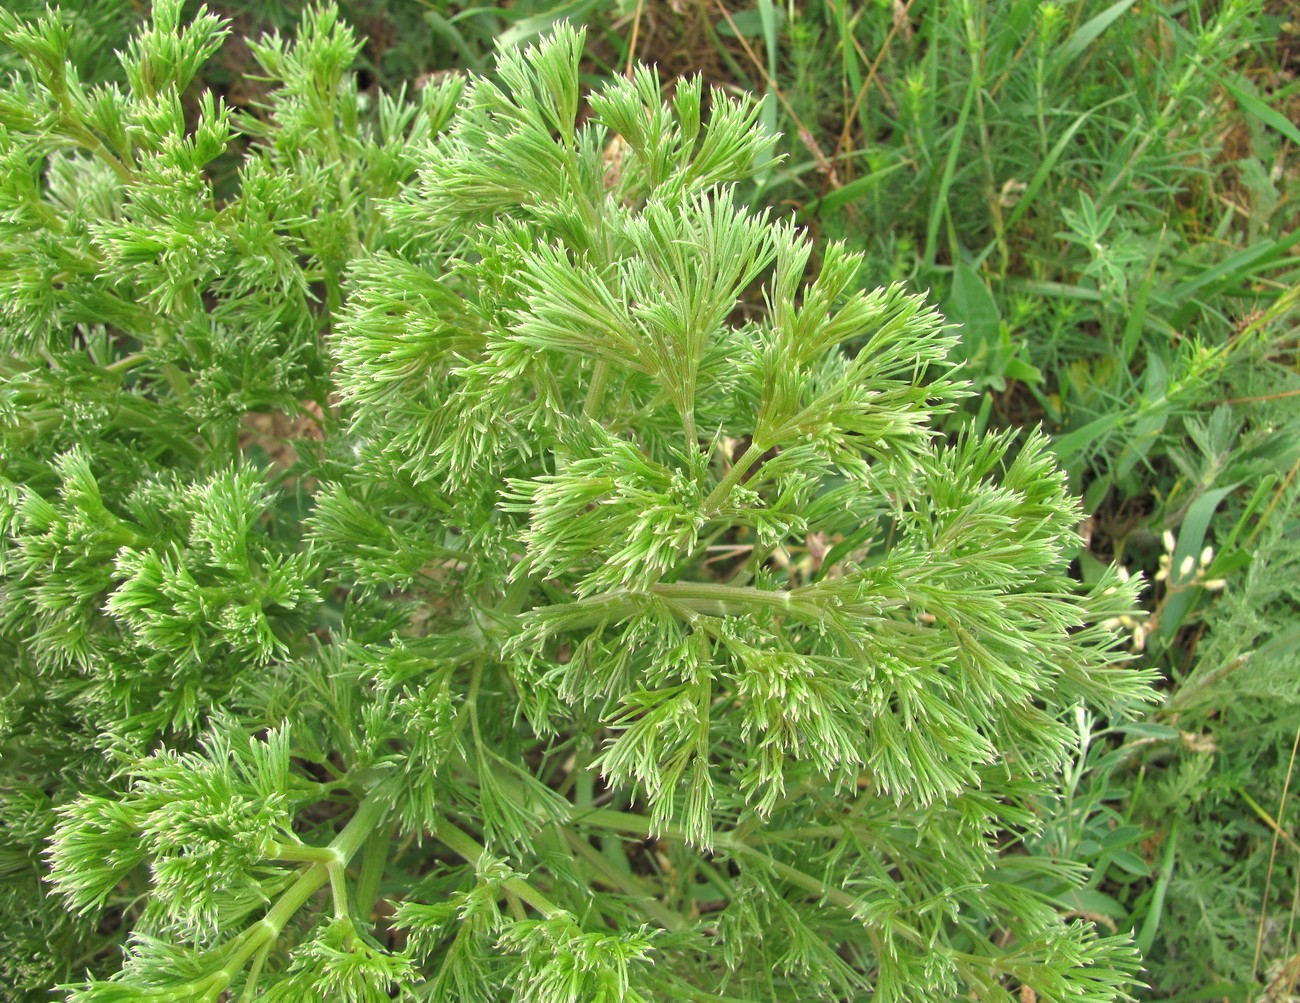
point(628, 884)
point(127, 363)
point(738, 470)
point(690, 433)
point(84, 136)
point(338, 891)
point(177, 381)
point(815, 886)
point(596, 390)
point(515, 598)
point(301, 853)
point(49, 215)
point(373, 859)
point(639, 825)
point(254, 971)
point(369, 814)
point(471, 708)
point(472, 852)
point(714, 597)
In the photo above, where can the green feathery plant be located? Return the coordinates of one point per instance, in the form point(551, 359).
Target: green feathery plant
point(504, 687)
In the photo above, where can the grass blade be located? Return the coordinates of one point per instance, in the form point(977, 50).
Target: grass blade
point(841, 197)
point(1091, 30)
point(939, 206)
point(1151, 922)
point(1255, 107)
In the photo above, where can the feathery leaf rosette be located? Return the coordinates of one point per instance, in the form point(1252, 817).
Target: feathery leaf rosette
point(206, 822)
point(627, 624)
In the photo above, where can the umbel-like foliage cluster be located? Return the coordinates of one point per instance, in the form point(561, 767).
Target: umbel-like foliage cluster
point(616, 633)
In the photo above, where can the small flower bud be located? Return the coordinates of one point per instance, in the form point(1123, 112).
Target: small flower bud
point(1168, 539)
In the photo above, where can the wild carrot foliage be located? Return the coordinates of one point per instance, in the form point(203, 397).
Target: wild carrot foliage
point(501, 685)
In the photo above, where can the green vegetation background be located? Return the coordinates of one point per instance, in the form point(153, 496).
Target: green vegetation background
point(1103, 195)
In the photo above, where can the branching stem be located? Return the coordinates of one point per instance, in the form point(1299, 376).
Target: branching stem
point(257, 939)
point(472, 852)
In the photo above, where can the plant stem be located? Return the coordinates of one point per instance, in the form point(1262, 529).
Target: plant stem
point(373, 859)
point(472, 852)
point(258, 938)
point(596, 390)
point(738, 470)
point(301, 853)
point(640, 826)
point(628, 884)
point(705, 597)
